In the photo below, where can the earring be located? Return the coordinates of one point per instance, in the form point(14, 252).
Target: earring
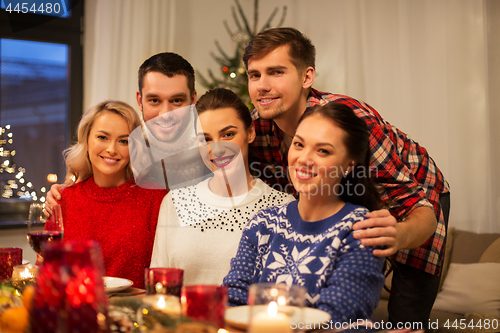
point(346, 172)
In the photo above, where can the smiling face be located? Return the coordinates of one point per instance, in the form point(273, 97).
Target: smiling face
point(160, 96)
point(275, 86)
point(108, 149)
point(222, 137)
point(318, 157)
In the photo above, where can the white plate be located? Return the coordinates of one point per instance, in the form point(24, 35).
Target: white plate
point(237, 317)
point(26, 261)
point(113, 284)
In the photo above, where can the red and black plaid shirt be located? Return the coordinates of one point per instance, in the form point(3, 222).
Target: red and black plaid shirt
point(408, 174)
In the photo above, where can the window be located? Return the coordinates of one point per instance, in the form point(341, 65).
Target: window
point(41, 100)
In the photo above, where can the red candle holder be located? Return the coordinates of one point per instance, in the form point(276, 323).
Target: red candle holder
point(70, 294)
point(160, 280)
point(9, 257)
point(205, 303)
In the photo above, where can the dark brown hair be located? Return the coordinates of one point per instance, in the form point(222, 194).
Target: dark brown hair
point(302, 52)
point(169, 64)
point(224, 98)
point(357, 141)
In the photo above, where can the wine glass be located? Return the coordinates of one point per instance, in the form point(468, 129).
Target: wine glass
point(43, 229)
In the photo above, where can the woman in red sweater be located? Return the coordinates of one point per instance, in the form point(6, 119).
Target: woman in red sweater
point(101, 200)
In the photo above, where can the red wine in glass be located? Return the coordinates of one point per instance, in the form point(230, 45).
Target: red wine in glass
point(43, 229)
point(37, 239)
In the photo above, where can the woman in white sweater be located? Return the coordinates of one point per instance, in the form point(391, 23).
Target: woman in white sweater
point(199, 226)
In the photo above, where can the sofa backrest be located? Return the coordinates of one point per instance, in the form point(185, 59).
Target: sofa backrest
point(468, 246)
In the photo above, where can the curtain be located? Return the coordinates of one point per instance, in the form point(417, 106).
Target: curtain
point(426, 66)
point(430, 67)
point(119, 36)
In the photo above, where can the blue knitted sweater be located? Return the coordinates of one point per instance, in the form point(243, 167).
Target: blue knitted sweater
point(342, 277)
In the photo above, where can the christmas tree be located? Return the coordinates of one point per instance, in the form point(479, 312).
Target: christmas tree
point(232, 68)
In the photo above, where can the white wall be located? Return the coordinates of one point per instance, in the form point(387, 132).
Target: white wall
point(430, 67)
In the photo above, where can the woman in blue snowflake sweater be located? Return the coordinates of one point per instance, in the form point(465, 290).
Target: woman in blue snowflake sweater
point(310, 242)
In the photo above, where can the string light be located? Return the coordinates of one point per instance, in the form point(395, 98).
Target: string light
point(14, 184)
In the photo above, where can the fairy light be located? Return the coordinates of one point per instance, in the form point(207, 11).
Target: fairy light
point(52, 177)
point(16, 185)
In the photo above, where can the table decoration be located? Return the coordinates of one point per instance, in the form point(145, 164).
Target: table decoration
point(69, 294)
point(163, 280)
point(24, 275)
point(205, 304)
point(9, 257)
point(271, 307)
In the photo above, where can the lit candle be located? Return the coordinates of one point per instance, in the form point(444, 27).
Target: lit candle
point(25, 272)
point(164, 303)
point(271, 321)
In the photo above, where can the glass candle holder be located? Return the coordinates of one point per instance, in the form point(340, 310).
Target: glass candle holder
point(70, 295)
point(273, 307)
point(205, 304)
point(158, 312)
point(9, 257)
point(24, 275)
point(161, 280)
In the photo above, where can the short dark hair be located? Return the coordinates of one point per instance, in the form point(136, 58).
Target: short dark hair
point(169, 64)
point(302, 52)
point(357, 141)
point(219, 98)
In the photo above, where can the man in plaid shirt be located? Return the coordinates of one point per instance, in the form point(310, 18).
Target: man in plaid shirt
point(280, 65)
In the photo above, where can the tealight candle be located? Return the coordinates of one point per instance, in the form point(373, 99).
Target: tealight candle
point(164, 303)
point(23, 275)
point(25, 272)
point(271, 321)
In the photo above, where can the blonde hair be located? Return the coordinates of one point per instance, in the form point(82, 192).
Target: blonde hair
point(78, 166)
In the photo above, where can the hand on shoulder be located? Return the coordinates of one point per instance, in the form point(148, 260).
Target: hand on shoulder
point(379, 229)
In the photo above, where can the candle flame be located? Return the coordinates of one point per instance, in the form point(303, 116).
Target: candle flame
point(272, 309)
point(161, 303)
point(26, 274)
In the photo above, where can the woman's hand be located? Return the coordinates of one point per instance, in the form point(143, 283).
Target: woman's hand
point(52, 197)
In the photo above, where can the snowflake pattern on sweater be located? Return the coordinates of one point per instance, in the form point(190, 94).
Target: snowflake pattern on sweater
point(342, 277)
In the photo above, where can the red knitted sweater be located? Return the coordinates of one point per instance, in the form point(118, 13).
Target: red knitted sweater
point(121, 219)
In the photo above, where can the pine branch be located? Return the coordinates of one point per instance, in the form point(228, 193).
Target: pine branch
point(217, 82)
point(247, 27)
point(255, 17)
point(268, 23)
point(227, 28)
point(235, 17)
point(224, 54)
point(282, 17)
